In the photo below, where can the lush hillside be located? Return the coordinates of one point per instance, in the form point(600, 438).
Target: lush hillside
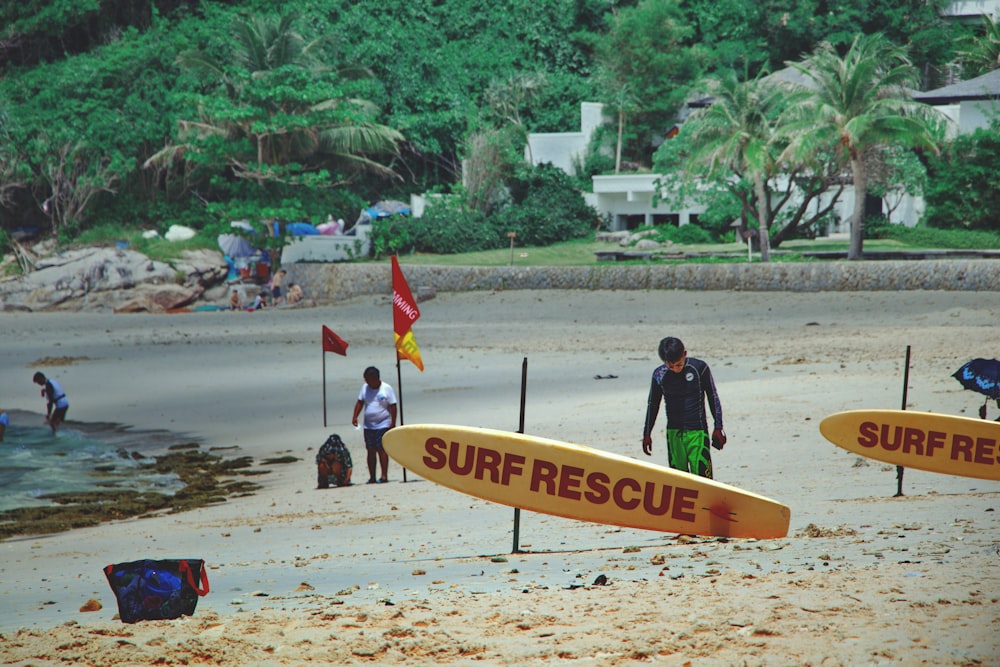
point(148, 114)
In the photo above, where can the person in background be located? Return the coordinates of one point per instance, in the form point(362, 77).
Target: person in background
point(684, 383)
point(294, 293)
point(378, 400)
point(235, 302)
point(276, 284)
point(55, 399)
point(259, 301)
point(333, 463)
point(4, 423)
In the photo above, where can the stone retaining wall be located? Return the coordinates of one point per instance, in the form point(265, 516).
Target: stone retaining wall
point(335, 282)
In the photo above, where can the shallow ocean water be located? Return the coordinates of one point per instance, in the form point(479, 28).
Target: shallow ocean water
point(34, 462)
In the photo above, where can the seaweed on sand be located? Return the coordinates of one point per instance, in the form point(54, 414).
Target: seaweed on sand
point(207, 479)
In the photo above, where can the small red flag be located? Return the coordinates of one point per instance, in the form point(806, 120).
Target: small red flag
point(332, 342)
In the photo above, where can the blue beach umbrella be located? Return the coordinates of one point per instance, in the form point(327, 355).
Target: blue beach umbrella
point(981, 376)
point(234, 246)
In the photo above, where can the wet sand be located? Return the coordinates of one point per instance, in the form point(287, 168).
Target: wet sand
point(413, 573)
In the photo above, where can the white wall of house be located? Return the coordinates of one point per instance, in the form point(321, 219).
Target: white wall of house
point(972, 8)
point(974, 114)
point(323, 248)
point(628, 201)
point(954, 113)
point(563, 148)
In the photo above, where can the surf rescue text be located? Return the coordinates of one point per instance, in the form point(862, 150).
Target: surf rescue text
point(912, 440)
point(564, 481)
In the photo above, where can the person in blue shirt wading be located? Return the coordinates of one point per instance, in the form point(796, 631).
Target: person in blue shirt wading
point(56, 402)
point(684, 383)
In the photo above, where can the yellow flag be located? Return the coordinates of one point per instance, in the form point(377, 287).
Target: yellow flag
point(406, 348)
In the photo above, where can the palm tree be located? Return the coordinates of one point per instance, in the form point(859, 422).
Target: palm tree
point(283, 101)
point(737, 134)
point(981, 53)
point(858, 101)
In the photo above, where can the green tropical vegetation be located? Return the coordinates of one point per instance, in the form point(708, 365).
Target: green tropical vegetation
point(855, 102)
point(734, 144)
point(128, 116)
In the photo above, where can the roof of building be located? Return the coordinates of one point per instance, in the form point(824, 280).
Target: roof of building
point(983, 87)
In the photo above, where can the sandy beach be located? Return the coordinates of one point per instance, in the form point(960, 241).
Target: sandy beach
point(414, 573)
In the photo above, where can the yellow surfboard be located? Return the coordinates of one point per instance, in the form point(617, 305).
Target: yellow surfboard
point(920, 440)
point(582, 483)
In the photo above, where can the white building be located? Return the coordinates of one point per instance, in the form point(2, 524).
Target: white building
point(628, 200)
point(562, 149)
point(972, 10)
point(969, 104)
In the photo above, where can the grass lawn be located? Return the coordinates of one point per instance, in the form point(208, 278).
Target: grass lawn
point(582, 253)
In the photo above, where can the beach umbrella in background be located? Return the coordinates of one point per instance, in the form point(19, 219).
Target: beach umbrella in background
point(383, 209)
point(301, 229)
point(981, 376)
point(243, 224)
point(235, 246)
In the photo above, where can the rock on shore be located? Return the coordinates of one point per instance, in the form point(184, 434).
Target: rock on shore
point(117, 279)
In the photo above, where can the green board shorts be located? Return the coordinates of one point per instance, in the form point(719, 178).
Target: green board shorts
point(688, 451)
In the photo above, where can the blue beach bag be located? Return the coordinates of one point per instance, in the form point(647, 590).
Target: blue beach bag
point(152, 590)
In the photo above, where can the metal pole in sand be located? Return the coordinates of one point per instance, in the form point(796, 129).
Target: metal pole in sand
point(906, 381)
point(399, 398)
point(520, 429)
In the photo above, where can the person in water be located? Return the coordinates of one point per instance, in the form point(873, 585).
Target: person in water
point(56, 403)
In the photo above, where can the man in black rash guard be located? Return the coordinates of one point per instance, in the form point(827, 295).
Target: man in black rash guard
point(684, 383)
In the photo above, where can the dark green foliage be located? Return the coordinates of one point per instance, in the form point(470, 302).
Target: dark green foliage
point(928, 237)
point(686, 234)
point(877, 227)
point(544, 208)
point(650, 63)
point(437, 59)
point(447, 227)
point(690, 234)
point(963, 188)
point(599, 158)
point(726, 29)
point(45, 30)
point(119, 90)
point(719, 215)
point(747, 35)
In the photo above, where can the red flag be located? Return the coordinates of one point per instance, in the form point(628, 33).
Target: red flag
point(333, 343)
point(404, 306)
point(404, 314)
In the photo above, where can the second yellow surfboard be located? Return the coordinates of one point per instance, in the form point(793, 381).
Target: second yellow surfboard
point(921, 440)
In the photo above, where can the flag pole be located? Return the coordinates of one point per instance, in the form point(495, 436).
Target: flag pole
point(324, 388)
point(399, 398)
point(520, 429)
